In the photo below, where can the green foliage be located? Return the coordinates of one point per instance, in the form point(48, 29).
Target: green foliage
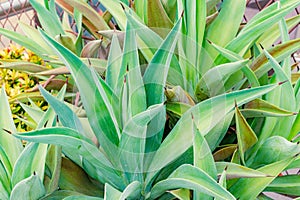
point(160, 109)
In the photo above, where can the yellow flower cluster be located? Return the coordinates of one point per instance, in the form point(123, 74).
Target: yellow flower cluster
point(17, 82)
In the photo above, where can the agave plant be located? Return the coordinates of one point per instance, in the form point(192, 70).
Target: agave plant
point(205, 72)
point(128, 151)
point(23, 168)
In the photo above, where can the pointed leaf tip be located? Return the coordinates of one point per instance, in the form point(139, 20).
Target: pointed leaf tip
point(122, 6)
point(261, 46)
point(182, 13)
point(7, 131)
point(280, 83)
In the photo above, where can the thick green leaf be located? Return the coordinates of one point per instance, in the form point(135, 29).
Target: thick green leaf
point(30, 188)
point(116, 10)
point(203, 159)
point(141, 10)
point(131, 66)
point(289, 184)
point(74, 178)
point(262, 108)
point(111, 193)
point(178, 108)
point(48, 19)
point(72, 140)
point(275, 126)
point(22, 66)
point(261, 65)
point(273, 33)
point(233, 57)
point(32, 32)
point(132, 142)
point(114, 64)
point(5, 169)
point(35, 113)
point(181, 194)
point(278, 147)
point(60, 194)
point(132, 191)
point(105, 127)
point(234, 170)
point(10, 145)
point(207, 115)
point(190, 177)
point(243, 41)
point(31, 160)
point(155, 81)
point(245, 135)
point(224, 28)
point(158, 18)
point(53, 163)
point(193, 28)
point(213, 81)
point(25, 41)
point(89, 13)
point(66, 116)
point(224, 152)
point(241, 188)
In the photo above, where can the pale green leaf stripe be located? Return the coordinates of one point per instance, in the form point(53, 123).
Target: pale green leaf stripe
point(188, 176)
point(207, 115)
point(104, 127)
point(113, 63)
point(29, 188)
point(71, 139)
point(11, 146)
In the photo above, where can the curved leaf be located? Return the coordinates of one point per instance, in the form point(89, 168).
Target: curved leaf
point(190, 177)
point(30, 188)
